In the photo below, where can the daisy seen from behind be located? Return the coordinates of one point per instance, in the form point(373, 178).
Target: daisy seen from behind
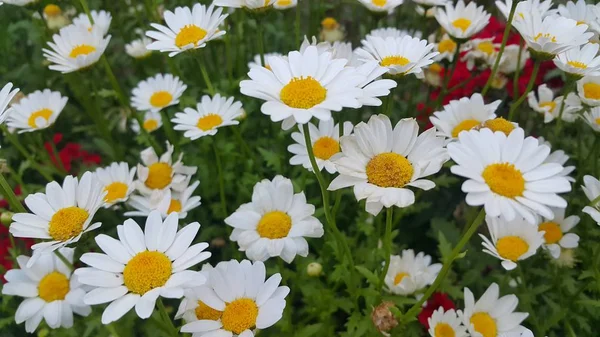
point(591, 188)
point(117, 180)
point(463, 115)
point(152, 121)
point(446, 323)
point(462, 21)
point(62, 214)
point(579, 62)
point(6, 95)
point(51, 292)
point(158, 92)
point(241, 300)
point(166, 202)
point(275, 223)
point(141, 265)
point(37, 111)
point(137, 48)
point(381, 6)
point(507, 174)
point(556, 232)
point(408, 273)
point(381, 162)
point(581, 12)
point(102, 20)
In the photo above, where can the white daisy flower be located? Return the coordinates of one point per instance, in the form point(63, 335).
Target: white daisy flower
point(588, 89)
point(446, 47)
point(142, 265)
point(6, 95)
point(463, 115)
point(158, 92)
point(481, 52)
point(390, 32)
point(62, 214)
point(275, 223)
point(187, 29)
point(248, 4)
point(305, 85)
point(559, 157)
point(137, 48)
point(50, 291)
point(580, 12)
point(526, 6)
point(242, 300)
point(429, 3)
point(381, 162)
point(507, 174)
point(409, 273)
point(75, 48)
point(325, 140)
point(592, 118)
point(191, 308)
point(117, 180)
point(101, 19)
point(510, 59)
point(525, 333)
point(166, 202)
point(257, 63)
point(36, 111)
point(591, 188)
point(443, 324)
point(379, 6)
point(546, 104)
point(491, 315)
point(460, 21)
point(401, 56)
point(152, 122)
point(556, 234)
point(285, 4)
point(19, 2)
point(210, 115)
point(159, 173)
point(511, 241)
point(580, 62)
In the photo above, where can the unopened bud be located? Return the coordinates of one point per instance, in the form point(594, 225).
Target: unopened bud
point(314, 269)
point(6, 218)
point(383, 318)
point(218, 243)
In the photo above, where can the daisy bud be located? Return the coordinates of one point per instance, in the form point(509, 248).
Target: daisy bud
point(6, 218)
point(383, 318)
point(567, 258)
point(218, 243)
point(314, 269)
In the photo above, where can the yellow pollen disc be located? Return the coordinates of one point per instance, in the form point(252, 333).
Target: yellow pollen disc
point(284, 2)
point(551, 105)
point(147, 270)
point(511, 247)
point(174, 206)
point(189, 34)
point(389, 170)
point(82, 49)
point(67, 223)
point(115, 191)
point(303, 93)
point(504, 179)
point(394, 61)
point(399, 277)
point(150, 125)
point(329, 23)
point(161, 99)
point(159, 175)
point(274, 225)
point(462, 24)
point(209, 122)
point(465, 125)
point(268, 67)
point(552, 230)
point(239, 315)
point(203, 311)
point(577, 64)
point(597, 121)
point(486, 47)
point(500, 124)
point(548, 36)
point(484, 324)
point(52, 10)
point(436, 68)
point(44, 113)
point(591, 90)
point(379, 3)
point(444, 330)
point(581, 23)
point(447, 46)
point(325, 147)
point(53, 287)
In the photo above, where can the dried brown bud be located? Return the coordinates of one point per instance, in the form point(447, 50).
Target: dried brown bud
point(383, 318)
point(218, 243)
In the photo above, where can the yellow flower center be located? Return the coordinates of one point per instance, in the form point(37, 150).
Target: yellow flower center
point(500, 124)
point(379, 3)
point(389, 170)
point(189, 34)
point(577, 64)
point(53, 287)
point(115, 191)
point(82, 49)
point(399, 277)
point(67, 223)
point(174, 206)
point(447, 46)
point(147, 270)
point(484, 324)
point(591, 90)
point(465, 125)
point(160, 175)
point(597, 121)
point(486, 47)
point(325, 147)
point(161, 99)
point(504, 179)
point(581, 23)
point(203, 311)
point(444, 330)
point(284, 2)
point(552, 230)
point(150, 125)
point(462, 24)
point(303, 93)
point(209, 122)
point(329, 23)
point(551, 105)
point(545, 36)
point(44, 113)
point(394, 61)
point(512, 247)
point(436, 68)
point(52, 10)
point(274, 225)
point(239, 315)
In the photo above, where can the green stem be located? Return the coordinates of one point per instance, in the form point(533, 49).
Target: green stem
point(518, 69)
point(387, 245)
point(390, 104)
point(10, 196)
point(416, 308)
point(86, 9)
point(260, 42)
point(15, 142)
point(64, 259)
point(528, 307)
point(221, 179)
point(502, 46)
point(557, 128)
point(448, 76)
point(297, 25)
point(167, 320)
point(171, 135)
point(113, 331)
point(202, 65)
point(513, 108)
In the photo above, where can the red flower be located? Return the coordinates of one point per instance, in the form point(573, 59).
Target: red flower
point(71, 153)
point(436, 301)
point(6, 262)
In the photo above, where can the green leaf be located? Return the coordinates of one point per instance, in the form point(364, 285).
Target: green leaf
point(369, 275)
